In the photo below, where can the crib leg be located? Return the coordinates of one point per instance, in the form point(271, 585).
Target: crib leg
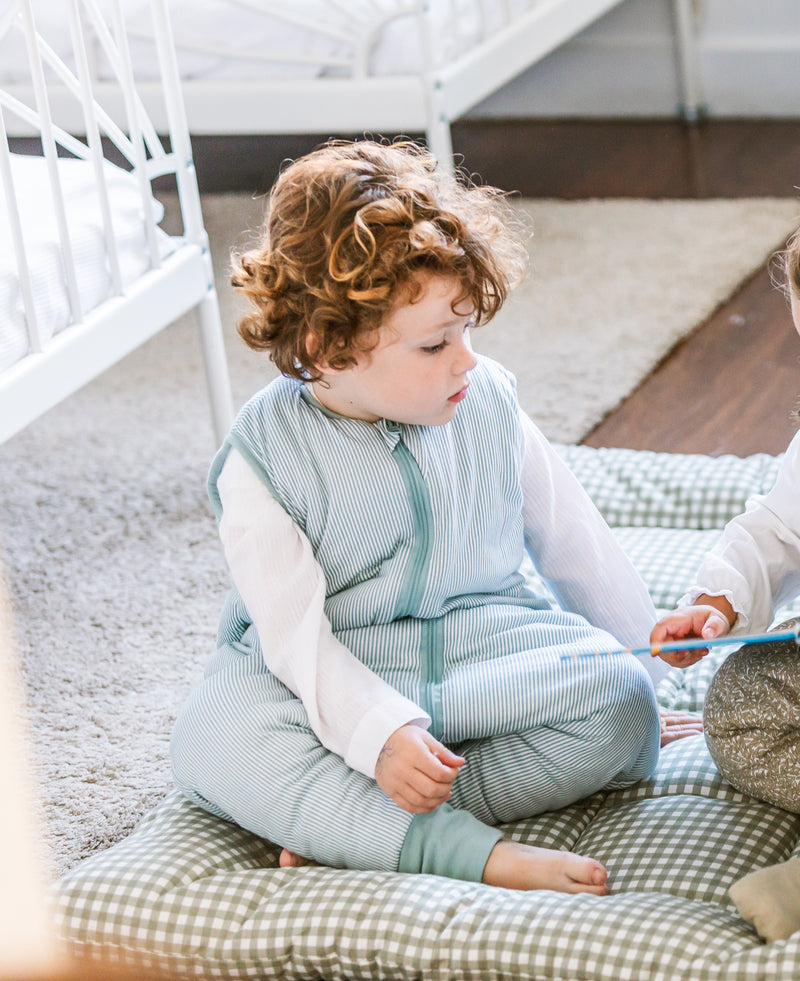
point(439, 141)
point(216, 365)
point(688, 61)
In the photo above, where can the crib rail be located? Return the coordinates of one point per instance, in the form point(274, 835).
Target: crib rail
point(338, 44)
point(64, 98)
point(140, 147)
point(353, 30)
point(359, 26)
point(346, 75)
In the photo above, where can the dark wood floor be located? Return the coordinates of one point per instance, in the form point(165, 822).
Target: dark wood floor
point(731, 386)
point(574, 159)
point(651, 159)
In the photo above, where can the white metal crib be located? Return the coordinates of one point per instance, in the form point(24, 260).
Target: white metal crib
point(335, 67)
point(75, 305)
point(383, 66)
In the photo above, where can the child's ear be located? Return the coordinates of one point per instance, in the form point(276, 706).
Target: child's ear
point(312, 346)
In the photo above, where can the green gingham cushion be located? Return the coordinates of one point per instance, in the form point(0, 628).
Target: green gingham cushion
point(199, 897)
point(202, 898)
point(667, 558)
point(669, 490)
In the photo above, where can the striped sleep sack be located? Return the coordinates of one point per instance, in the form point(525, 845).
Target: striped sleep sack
point(419, 533)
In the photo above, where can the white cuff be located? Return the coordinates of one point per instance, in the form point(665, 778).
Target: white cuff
point(742, 619)
point(375, 727)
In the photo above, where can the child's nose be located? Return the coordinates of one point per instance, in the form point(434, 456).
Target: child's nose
point(465, 359)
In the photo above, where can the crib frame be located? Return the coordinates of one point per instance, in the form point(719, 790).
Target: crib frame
point(67, 102)
point(427, 102)
point(361, 102)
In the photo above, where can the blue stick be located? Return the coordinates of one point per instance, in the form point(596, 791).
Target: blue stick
point(696, 644)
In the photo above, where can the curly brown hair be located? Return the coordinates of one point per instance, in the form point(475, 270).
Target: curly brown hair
point(786, 275)
point(791, 268)
point(349, 229)
point(791, 264)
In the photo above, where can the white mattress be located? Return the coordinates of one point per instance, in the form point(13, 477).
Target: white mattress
point(255, 42)
point(40, 231)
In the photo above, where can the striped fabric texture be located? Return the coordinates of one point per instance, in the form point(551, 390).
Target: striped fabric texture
point(200, 897)
point(446, 618)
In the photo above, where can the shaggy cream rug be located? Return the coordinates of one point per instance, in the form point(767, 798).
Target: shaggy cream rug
point(114, 567)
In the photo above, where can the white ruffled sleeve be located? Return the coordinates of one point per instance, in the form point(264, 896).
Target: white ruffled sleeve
point(351, 710)
point(756, 563)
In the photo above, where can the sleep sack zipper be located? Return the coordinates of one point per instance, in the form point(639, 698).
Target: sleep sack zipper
point(413, 589)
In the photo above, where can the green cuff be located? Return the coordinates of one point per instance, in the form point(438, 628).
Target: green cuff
point(448, 842)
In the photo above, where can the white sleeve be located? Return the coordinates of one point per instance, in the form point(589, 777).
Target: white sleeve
point(352, 711)
point(756, 563)
point(576, 553)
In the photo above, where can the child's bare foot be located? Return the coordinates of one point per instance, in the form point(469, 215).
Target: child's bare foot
point(291, 860)
point(517, 866)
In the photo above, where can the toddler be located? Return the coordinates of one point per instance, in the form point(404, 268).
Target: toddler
point(750, 712)
point(387, 689)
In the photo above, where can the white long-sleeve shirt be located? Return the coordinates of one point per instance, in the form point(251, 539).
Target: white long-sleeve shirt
point(756, 563)
point(352, 710)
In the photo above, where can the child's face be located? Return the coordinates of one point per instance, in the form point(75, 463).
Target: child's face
point(419, 370)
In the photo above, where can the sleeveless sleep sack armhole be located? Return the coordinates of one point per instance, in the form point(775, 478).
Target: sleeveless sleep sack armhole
point(232, 442)
point(213, 476)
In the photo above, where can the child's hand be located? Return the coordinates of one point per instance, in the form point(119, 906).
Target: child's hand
point(676, 725)
point(700, 621)
point(416, 770)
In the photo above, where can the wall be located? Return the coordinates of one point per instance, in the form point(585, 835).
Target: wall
point(748, 64)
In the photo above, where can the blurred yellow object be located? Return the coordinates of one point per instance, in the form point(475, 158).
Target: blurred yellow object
point(28, 947)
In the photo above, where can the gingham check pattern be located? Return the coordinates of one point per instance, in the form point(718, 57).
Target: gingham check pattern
point(202, 898)
point(669, 490)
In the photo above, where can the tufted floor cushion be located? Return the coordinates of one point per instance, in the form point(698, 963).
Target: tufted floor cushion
point(202, 898)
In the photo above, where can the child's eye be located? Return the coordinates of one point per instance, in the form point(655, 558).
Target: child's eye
point(436, 348)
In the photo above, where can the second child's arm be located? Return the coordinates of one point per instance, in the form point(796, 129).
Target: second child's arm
point(751, 570)
point(709, 616)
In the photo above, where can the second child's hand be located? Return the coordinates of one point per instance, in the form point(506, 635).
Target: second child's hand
point(702, 621)
point(416, 770)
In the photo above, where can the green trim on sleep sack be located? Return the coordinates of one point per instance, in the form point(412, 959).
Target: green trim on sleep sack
point(431, 673)
point(233, 442)
point(413, 587)
point(419, 502)
point(448, 842)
